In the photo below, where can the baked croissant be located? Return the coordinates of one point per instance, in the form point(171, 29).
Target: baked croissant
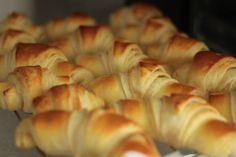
point(210, 72)
point(183, 121)
point(120, 58)
point(19, 21)
point(86, 39)
point(134, 14)
point(58, 28)
point(76, 73)
point(148, 78)
point(16, 21)
point(97, 133)
point(155, 30)
point(178, 49)
point(67, 97)
point(10, 38)
point(26, 54)
point(26, 83)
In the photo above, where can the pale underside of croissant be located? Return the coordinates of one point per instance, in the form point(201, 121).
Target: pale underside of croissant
point(59, 28)
point(26, 83)
point(148, 78)
point(178, 49)
point(97, 133)
point(19, 21)
point(132, 15)
point(120, 58)
point(28, 54)
point(67, 97)
point(86, 40)
point(210, 72)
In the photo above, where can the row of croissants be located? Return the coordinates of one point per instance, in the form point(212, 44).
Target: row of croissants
point(95, 90)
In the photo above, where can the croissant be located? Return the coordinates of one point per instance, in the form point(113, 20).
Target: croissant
point(178, 49)
point(26, 83)
point(27, 54)
point(210, 72)
point(86, 39)
point(75, 72)
point(19, 21)
point(10, 38)
point(183, 121)
point(16, 21)
point(122, 57)
point(58, 28)
point(148, 78)
point(97, 133)
point(67, 97)
point(132, 15)
point(155, 30)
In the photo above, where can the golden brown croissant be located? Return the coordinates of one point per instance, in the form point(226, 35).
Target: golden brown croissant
point(67, 97)
point(76, 73)
point(26, 54)
point(86, 39)
point(210, 72)
point(155, 31)
point(120, 58)
point(26, 83)
point(58, 28)
point(148, 78)
point(178, 49)
point(135, 14)
point(183, 121)
point(10, 38)
point(97, 133)
point(19, 21)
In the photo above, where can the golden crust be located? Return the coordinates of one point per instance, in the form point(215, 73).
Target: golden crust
point(109, 88)
point(93, 39)
point(88, 33)
point(16, 21)
point(10, 38)
point(119, 47)
point(212, 72)
point(204, 60)
point(222, 103)
point(53, 119)
point(179, 88)
point(37, 54)
point(140, 9)
point(67, 97)
point(65, 68)
point(77, 19)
